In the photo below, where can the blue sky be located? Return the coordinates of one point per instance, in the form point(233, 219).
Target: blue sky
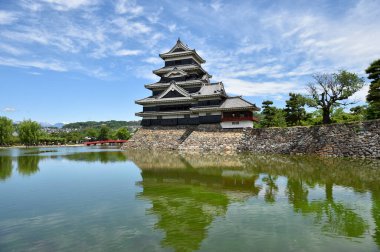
point(79, 60)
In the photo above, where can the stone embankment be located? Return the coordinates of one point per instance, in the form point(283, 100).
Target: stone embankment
point(361, 139)
point(158, 138)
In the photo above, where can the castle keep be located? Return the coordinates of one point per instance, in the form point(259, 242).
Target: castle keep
point(184, 95)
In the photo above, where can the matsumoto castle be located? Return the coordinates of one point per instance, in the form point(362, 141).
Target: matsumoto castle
point(185, 96)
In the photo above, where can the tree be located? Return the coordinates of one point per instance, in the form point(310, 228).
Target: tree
point(272, 116)
point(104, 133)
point(295, 111)
point(122, 134)
point(329, 90)
point(6, 130)
point(92, 133)
point(29, 132)
point(373, 97)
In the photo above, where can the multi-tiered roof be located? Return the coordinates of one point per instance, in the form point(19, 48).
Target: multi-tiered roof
point(184, 92)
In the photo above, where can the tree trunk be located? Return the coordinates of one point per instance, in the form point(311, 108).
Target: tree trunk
point(329, 191)
point(326, 116)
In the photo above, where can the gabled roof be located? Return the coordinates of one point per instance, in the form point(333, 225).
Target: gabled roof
point(161, 85)
point(229, 104)
point(237, 102)
point(215, 89)
point(179, 45)
point(179, 50)
point(173, 87)
point(176, 71)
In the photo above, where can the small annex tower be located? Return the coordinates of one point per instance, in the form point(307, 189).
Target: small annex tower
point(185, 96)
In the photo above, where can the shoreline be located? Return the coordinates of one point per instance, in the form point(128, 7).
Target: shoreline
point(40, 146)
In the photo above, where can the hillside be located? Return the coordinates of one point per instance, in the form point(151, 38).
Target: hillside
point(92, 124)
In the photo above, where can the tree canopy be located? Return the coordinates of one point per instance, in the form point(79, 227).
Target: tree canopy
point(122, 134)
point(272, 116)
point(295, 109)
point(113, 124)
point(373, 97)
point(329, 90)
point(6, 130)
point(29, 132)
point(104, 133)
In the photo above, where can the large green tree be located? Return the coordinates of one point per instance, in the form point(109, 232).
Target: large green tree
point(104, 133)
point(29, 132)
point(272, 116)
point(122, 134)
point(332, 90)
point(373, 97)
point(6, 130)
point(295, 109)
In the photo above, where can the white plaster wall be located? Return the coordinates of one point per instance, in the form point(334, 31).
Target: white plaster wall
point(216, 113)
point(242, 124)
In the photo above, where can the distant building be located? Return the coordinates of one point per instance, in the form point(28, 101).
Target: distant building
point(185, 96)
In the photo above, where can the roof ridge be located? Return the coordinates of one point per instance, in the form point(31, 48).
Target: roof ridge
point(176, 87)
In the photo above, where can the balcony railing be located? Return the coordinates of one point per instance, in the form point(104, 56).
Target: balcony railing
point(238, 119)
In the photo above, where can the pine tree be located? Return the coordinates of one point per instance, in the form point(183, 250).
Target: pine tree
point(273, 117)
point(373, 97)
point(295, 111)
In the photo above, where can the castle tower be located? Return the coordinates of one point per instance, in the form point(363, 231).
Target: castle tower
point(184, 95)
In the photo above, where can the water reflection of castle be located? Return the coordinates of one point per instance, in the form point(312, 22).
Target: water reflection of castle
point(189, 192)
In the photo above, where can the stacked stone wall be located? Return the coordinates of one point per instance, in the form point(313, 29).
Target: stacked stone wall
point(361, 139)
point(218, 141)
point(157, 138)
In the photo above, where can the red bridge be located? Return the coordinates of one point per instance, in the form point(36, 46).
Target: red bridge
point(109, 142)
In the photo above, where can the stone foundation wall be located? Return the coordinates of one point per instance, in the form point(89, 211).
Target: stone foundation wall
point(345, 140)
point(159, 138)
point(212, 141)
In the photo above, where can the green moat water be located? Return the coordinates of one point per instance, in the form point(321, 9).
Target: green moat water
point(93, 199)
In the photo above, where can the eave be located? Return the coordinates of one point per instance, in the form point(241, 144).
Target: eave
point(162, 113)
point(178, 100)
point(180, 54)
point(159, 85)
point(204, 109)
point(188, 67)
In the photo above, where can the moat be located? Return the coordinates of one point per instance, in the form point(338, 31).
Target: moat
point(94, 199)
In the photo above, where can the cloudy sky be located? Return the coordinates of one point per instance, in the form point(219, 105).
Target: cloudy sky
point(76, 60)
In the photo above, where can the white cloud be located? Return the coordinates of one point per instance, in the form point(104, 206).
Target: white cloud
point(130, 28)
point(128, 6)
point(153, 60)
point(252, 71)
point(65, 5)
point(7, 17)
point(53, 65)
point(145, 72)
point(11, 49)
point(216, 5)
point(125, 52)
point(347, 42)
point(249, 88)
point(31, 5)
point(9, 109)
point(360, 95)
point(172, 27)
point(250, 48)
